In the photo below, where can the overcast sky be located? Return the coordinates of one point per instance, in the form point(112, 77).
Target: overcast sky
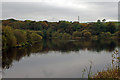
point(55, 10)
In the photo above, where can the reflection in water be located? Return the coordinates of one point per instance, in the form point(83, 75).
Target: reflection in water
point(64, 46)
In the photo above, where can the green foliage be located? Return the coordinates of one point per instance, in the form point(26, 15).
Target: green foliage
point(35, 38)
point(117, 34)
point(49, 32)
point(111, 27)
point(44, 34)
point(17, 32)
point(20, 36)
point(66, 36)
point(87, 34)
point(103, 20)
point(95, 37)
point(28, 33)
point(4, 42)
point(57, 35)
point(77, 34)
point(16, 37)
point(9, 37)
point(105, 35)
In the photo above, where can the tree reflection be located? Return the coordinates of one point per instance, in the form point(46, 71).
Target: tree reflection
point(16, 54)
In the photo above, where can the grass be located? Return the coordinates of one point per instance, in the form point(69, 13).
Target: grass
point(111, 72)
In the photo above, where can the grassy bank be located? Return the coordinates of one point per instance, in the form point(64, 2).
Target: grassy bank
point(110, 73)
point(113, 72)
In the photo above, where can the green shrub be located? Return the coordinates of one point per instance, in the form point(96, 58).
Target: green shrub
point(105, 35)
point(66, 36)
point(77, 34)
point(35, 38)
point(20, 36)
point(87, 34)
point(8, 36)
point(95, 37)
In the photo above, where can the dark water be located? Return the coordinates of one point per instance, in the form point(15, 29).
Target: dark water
point(57, 59)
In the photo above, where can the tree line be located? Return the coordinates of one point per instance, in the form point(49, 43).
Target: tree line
point(19, 33)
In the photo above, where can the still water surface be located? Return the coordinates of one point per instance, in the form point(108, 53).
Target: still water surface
point(57, 59)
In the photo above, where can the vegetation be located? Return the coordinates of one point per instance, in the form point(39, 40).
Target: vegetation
point(16, 37)
point(111, 72)
point(9, 56)
point(35, 37)
point(19, 33)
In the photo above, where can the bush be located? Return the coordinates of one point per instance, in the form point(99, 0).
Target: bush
point(66, 36)
point(35, 38)
point(8, 37)
point(87, 34)
point(20, 36)
point(57, 35)
point(94, 37)
point(117, 34)
point(106, 35)
point(77, 34)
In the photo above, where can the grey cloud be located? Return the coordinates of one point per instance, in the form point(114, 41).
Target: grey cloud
point(43, 10)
